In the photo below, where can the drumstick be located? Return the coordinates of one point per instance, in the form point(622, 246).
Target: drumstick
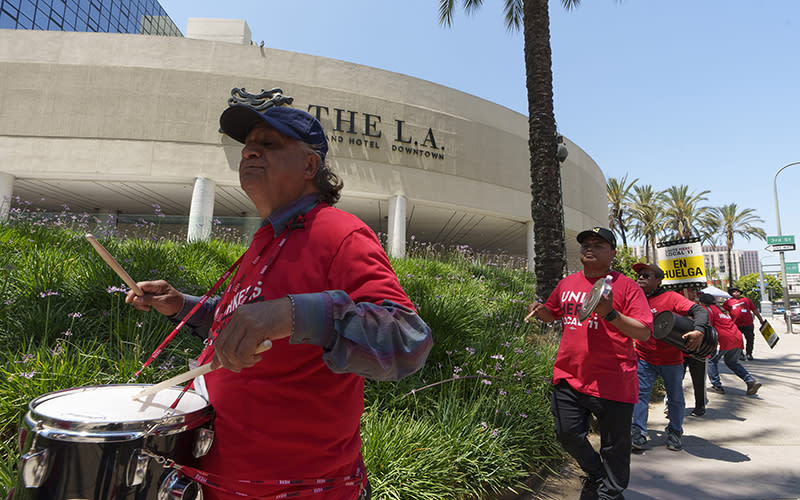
point(189, 375)
point(114, 265)
point(529, 316)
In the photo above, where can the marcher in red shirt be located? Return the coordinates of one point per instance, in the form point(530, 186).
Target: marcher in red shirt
point(595, 368)
point(730, 347)
point(657, 357)
point(742, 310)
point(316, 282)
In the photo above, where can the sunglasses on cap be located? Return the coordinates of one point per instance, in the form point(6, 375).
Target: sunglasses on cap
point(646, 276)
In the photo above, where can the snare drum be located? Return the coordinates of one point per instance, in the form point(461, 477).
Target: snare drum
point(99, 443)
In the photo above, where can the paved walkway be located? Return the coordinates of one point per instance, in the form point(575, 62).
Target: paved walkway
point(745, 448)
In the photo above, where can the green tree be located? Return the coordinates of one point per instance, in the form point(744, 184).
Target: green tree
point(547, 210)
point(748, 284)
point(734, 222)
point(618, 192)
point(647, 217)
point(683, 211)
point(624, 261)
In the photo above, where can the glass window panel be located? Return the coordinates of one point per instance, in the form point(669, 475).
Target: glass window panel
point(42, 18)
point(29, 9)
point(24, 22)
point(80, 23)
point(58, 7)
point(6, 21)
point(69, 17)
point(10, 10)
point(11, 3)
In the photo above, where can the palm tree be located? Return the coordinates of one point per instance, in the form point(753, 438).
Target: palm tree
point(618, 192)
point(734, 222)
point(647, 217)
point(683, 211)
point(547, 210)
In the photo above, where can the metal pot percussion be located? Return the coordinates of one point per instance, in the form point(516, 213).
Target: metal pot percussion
point(670, 327)
point(600, 289)
point(97, 442)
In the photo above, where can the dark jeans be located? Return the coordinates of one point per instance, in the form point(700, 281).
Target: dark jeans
point(571, 410)
point(749, 337)
point(697, 370)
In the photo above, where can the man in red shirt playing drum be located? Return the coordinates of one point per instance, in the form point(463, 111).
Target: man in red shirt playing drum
point(595, 368)
point(742, 310)
point(657, 357)
point(316, 282)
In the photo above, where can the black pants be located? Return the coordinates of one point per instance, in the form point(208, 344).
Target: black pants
point(749, 337)
point(571, 410)
point(697, 370)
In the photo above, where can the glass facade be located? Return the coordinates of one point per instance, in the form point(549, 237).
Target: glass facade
point(110, 16)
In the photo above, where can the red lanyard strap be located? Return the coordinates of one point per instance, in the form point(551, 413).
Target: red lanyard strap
point(197, 306)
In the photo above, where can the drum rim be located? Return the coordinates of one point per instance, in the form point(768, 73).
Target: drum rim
point(71, 430)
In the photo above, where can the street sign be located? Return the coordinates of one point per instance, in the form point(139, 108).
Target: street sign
point(792, 268)
point(780, 240)
point(781, 248)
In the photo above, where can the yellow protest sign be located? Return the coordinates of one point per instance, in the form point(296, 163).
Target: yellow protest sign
point(682, 263)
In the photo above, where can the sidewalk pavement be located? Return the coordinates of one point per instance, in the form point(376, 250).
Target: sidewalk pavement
point(744, 448)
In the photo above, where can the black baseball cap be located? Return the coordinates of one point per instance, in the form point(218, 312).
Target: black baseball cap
point(734, 289)
point(599, 232)
point(706, 298)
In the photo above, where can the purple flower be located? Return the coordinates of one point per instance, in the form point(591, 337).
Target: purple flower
point(523, 415)
point(67, 333)
point(498, 356)
point(28, 375)
point(115, 289)
point(75, 315)
point(495, 432)
point(470, 350)
point(502, 392)
point(487, 381)
point(47, 293)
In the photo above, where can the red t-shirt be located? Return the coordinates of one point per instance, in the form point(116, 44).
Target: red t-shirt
point(594, 357)
point(290, 416)
point(729, 336)
point(658, 352)
point(741, 310)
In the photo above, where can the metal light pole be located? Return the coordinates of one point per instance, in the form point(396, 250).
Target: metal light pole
point(787, 314)
point(766, 304)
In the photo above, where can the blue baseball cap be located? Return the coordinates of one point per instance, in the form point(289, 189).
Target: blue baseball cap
point(239, 119)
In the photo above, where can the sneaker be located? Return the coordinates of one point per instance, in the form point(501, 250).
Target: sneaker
point(718, 389)
point(749, 357)
point(752, 388)
point(638, 442)
point(698, 412)
point(674, 441)
point(590, 487)
point(742, 357)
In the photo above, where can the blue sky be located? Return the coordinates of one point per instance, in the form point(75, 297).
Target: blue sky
point(704, 93)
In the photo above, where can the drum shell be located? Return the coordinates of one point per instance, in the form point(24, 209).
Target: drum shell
point(670, 327)
point(92, 460)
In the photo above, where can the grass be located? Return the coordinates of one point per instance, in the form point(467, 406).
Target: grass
point(473, 423)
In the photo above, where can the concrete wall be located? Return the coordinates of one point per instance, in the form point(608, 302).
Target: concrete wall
point(135, 108)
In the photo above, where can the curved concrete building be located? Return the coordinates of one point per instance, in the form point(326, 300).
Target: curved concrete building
point(117, 122)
